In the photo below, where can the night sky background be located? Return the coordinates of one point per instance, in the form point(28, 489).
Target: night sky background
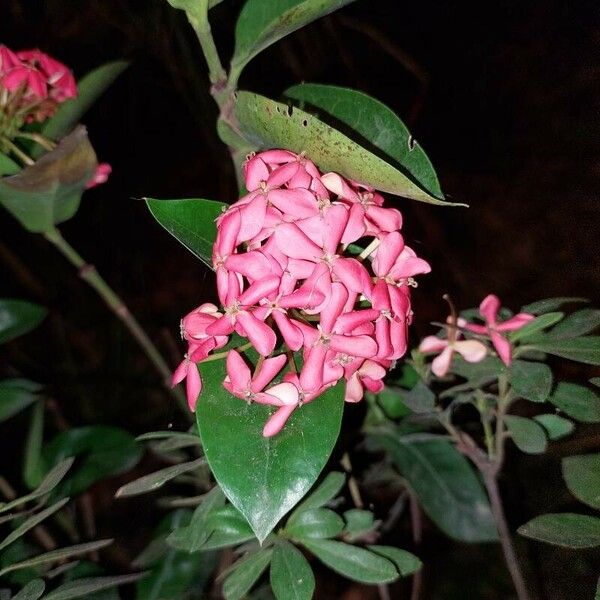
point(504, 97)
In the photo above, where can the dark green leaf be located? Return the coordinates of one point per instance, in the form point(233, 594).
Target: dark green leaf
point(105, 451)
point(569, 530)
point(358, 522)
point(327, 490)
point(391, 400)
point(16, 395)
point(556, 427)
point(291, 575)
point(576, 324)
point(32, 591)
point(31, 522)
point(406, 562)
point(267, 124)
point(18, 317)
point(191, 222)
point(373, 125)
point(80, 588)
point(419, 399)
point(582, 475)
point(530, 380)
point(584, 349)
point(549, 304)
point(153, 481)
point(48, 192)
point(8, 166)
point(478, 373)
point(263, 22)
point(33, 470)
point(89, 89)
point(577, 401)
point(190, 438)
point(264, 477)
point(245, 574)
point(535, 326)
point(446, 485)
point(528, 435)
point(315, 523)
point(353, 562)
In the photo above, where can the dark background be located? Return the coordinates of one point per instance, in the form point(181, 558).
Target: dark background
point(503, 96)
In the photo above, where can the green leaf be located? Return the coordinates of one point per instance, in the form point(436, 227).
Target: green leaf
point(32, 591)
point(528, 435)
point(406, 562)
point(583, 349)
point(263, 22)
point(576, 324)
point(50, 481)
point(569, 530)
point(291, 575)
point(16, 395)
point(419, 399)
point(264, 477)
point(31, 522)
point(530, 380)
point(80, 588)
point(49, 191)
point(54, 555)
point(358, 522)
point(154, 481)
point(577, 401)
point(582, 475)
point(326, 491)
point(267, 124)
point(549, 304)
point(535, 326)
point(18, 317)
point(445, 483)
point(315, 523)
point(390, 399)
point(595, 381)
point(104, 451)
point(245, 574)
point(353, 562)
point(8, 166)
point(373, 125)
point(478, 373)
point(89, 89)
point(556, 427)
point(191, 222)
point(33, 470)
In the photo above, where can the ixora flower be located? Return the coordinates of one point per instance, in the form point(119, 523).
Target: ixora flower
point(285, 272)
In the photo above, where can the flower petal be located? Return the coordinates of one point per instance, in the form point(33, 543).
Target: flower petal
point(471, 350)
point(489, 308)
point(441, 364)
point(276, 422)
point(266, 372)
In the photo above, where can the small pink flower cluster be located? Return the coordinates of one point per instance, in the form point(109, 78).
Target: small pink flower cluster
point(473, 350)
point(32, 84)
point(282, 264)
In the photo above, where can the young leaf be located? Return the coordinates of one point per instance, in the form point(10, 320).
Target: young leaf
point(267, 124)
point(527, 435)
point(569, 530)
point(327, 490)
point(582, 476)
point(291, 575)
point(353, 562)
point(54, 555)
point(406, 562)
point(419, 399)
point(358, 522)
point(263, 22)
point(191, 222)
point(16, 395)
point(556, 427)
point(584, 349)
point(32, 591)
point(530, 380)
point(535, 326)
point(549, 304)
point(49, 191)
point(31, 523)
point(576, 324)
point(374, 123)
point(80, 588)
point(153, 481)
point(245, 574)
point(264, 477)
point(315, 523)
point(89, 89)
point(445, 483)
point(18, 317)
point(577, 401)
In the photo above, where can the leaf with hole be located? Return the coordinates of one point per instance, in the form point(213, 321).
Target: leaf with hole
point(577, 401)
point(18, 317)
point(527, 435)
point(582, 476)
point(569, 530)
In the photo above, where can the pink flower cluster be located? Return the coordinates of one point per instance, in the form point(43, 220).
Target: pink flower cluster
point(284, 267)
point(473, 350)
point(32, 84)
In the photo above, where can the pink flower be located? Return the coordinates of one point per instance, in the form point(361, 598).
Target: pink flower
point(489, 309)
point(471, 350)
point(103, 170)
point(242, 385)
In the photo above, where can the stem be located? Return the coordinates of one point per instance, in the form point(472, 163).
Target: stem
point(18, 152)
point(416, 521)
point(222, 355)
point(90, 275)
point(44, 142)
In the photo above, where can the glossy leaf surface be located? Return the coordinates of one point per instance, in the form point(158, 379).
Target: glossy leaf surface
point(291, 575)
point(316, 523)
point(406, 562)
